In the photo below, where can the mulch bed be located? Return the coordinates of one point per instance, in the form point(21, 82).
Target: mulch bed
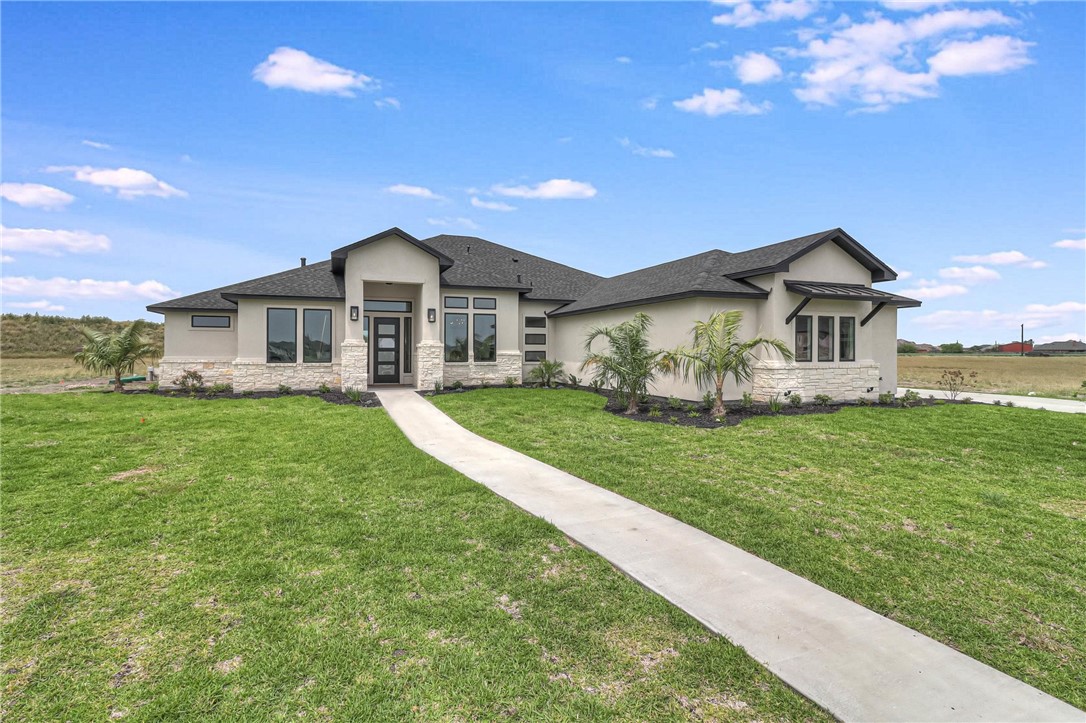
point(368, 399)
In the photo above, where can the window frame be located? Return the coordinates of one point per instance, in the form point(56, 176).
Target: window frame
point(528, 340)
point(475, 340)
point(491, 299)
point(267, 334)
point(447, 305)
point(194, 325)
point(832, 335)
point(841, 339)
point(445, 337)
point(331, 334)
point(542, 356)
point(406, 344)
point(371, 305)
point(529, 322)
point(809, 356)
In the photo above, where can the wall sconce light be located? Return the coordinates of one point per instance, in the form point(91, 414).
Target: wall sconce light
point(354, 313)
point(431, 315)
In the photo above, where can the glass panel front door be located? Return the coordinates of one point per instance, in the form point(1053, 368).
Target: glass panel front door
point(386, 350)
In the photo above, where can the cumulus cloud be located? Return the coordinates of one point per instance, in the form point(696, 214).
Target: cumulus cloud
point(127, 183)
point(84, 288)
point(1033, 315)
point(754, 68)
point(639, 150)
point(99, 146)
point(1003, 258)
point(1071, 243)
point(556, 188)
point(298, 70)
point(491, 205)
point(744, 14)
point(913, 5)
point(40, 305)
point(35, 195)
point(729, 101)
point(53, 242)
point(970, 274)
point(403, 189)
point(1065, 336)
point(5, 259)
point(934, 290)
point(649, 103)
point(449, 222)
point(989, 55)
point(624, 59)
point(903, 275)
point(389, 102)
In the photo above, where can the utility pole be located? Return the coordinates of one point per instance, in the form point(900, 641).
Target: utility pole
point(1022, 340)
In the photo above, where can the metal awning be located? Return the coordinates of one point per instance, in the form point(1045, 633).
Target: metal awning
point(845, 292)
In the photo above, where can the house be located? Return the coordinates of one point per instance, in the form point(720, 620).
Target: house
point(393, 309)
point(1071, 346)
point(1016, 347)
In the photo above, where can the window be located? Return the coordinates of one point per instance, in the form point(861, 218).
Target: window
point(365, 328)
point(481, 302)
point(803, 338)
point(407, 346)
point(535, 338)
point(486, 337)
point(317, 336)
point(825, 338)
point(210, 322)
point(848, 338)
point(535, 322)
point(456, 337)
point(282, 336)
point(375, 305)
point(456, 302)
point(535, 356)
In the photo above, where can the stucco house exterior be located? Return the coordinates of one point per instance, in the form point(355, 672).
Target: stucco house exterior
point(393, 309)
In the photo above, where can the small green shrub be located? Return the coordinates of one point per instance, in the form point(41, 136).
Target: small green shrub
point(886, 398)
point(247, 393)
point(693, 413)
point(967, 400)
point(690, 408)
point(748, 400)
point(484, 385)
point(284, 389)
point(822, 400)
point(190, 380)
point(575, 381)
point(152, 387)
point(656, 412)
point(673, 419)
point(438, 387)
point(355, 395)
point(548, 373)
point(510, 381)
point(674, 403)
point(707, 400)
point(719, 419)
point(324, 388)
point(775, 404)
point(457, 385)
point(596, 385)
point(863, 402)
point(795, 399)
point(910, 398)
point(1010, 403)
point(220, 388)
point(998, 403)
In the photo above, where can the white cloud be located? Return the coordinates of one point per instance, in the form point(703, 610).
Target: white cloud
point(403, 189)
point(747, 14)
point(970, 274)
point(1064, 307)
point(389, 102)
point(913, 5)
point(713, 103)
point(84, 288)
point(934, 290)
point(128, 183)
point(99, 146)
point(754, 68)
point(1003, 258)
point(40, 305)
point(1033, 316)
point(35, 195)
point(53, 242)
point(707, 45)
point(624, 59)
point(991, 54)
point(491, 205)
point(556, 188)
point(5, 259)
point(297, 69)
point(649, 103)
point(903, 275)
point(1065, 336)
point(639, 150)
point(1071, 243)
point(454, 222)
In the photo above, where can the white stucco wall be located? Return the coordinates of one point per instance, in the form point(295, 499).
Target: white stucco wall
point(184, 342)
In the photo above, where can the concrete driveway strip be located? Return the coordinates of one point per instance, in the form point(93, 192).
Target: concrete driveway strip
point(856, 664)
point(1068, 406)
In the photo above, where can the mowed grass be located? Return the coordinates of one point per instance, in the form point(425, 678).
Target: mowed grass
point(269, 559)
point(1053, 376)
point(32, 372)
point(965, 522)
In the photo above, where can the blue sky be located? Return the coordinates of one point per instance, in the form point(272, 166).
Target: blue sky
point(155, 150)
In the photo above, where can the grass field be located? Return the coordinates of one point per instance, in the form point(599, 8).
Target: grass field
point(1046, 376)
point(33, 372)
point(269, 559)
point(964, 522)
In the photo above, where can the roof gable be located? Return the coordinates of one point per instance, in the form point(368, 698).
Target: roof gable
point(777, 257)
point(339, 256)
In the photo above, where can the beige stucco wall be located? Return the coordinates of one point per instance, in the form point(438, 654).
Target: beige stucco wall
point(393, 260)
point(184, 342)
point(253, 325)
point(507, 361)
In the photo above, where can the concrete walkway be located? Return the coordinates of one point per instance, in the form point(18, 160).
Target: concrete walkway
point(854, 663)
point(1069, 406)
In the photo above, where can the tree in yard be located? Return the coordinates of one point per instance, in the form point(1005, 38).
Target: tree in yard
point(116, 354)
point(628, 365)
point(718, 352)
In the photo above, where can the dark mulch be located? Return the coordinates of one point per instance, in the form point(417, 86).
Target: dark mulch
point(368, 399)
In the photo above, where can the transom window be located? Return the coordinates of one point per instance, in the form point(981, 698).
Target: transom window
point(483, 302)
point(201, 321)
point(403, 307)
point(535, 339)
point(456, 302)
point(535, 356)
point(535, 322)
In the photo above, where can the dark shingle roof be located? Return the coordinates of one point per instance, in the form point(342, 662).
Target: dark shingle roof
point(203, 301)
point(776, 257)
point(478, 262)
point(315, 281)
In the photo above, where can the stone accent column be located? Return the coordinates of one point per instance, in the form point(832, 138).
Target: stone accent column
point(429, 366)
point(354, 364)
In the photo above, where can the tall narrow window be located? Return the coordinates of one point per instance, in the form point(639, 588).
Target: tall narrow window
point(456, 337)
point(825, 338)
point(486, 337)
point(408, 346)
point(317, 336)
point(365, 328)
point(803, 338)
point(282, 336)
point(848, 338)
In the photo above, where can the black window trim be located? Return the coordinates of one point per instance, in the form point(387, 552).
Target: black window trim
point(495, 349)
point(810, 339)
point(841, 339)
point(267, 333)
point(445, 302)
point(406, 343)
point(528, 342)
point(194, 325)
point(331, 334)
point(833, 338)
point(476, 299)
point(542, 356)
point(445, 341)
point(408, 306)
point(535, 326)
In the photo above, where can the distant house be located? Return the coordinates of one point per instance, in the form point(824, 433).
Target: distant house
point(1016, 347)
point(1070, 346)
point(926, 348)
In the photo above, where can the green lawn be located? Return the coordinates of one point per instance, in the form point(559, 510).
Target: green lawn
point(967, 523)
point(258, 559)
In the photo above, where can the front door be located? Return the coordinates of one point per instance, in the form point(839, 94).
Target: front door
point(386, 364)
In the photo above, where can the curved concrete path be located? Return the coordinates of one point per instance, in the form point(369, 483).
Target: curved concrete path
point(1070, 406)
point(854, 663)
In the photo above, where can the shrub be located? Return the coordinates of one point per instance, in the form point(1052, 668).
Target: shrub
point(284, 389)
point(438, 387)
point(674, 403)
point(355, 395)
point(910, 398)
point(655, 412)
point(795, 399)
point(629, 364)
point(457, 385)
point(116, 353)
point(953, 381)
point(863, 402)
point(886, 398)
point(967, 400)
point(247, 393)
point(822, 400)
point(152, 387)
point(998, 403)
point(510, 381)
point(775, 404)
point(748, 400)
point(1010, 403)
point(190, 380)
point(673, 419)
point(689, 408)
point(547, 373)
point(574, 381)
point(220, 388)
point(906, 347)
point(484, 385)
point(719, 419)
point(953, 348)
point(707, 400)
point(596, 385)
point(693, 413)
point(324, 388)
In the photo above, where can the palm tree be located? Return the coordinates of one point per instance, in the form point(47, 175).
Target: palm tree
point(629, 365)
point(719, 352)
point(117, 353)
